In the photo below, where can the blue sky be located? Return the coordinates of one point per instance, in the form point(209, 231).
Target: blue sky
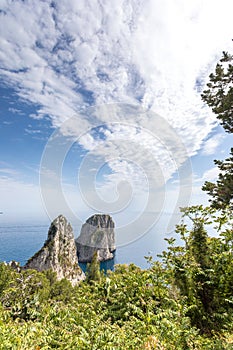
point(101, 109)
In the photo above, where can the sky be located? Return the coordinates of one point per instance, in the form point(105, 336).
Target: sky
point(101, 108)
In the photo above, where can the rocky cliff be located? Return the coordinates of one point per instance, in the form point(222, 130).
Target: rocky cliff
point(97, 234)
point(58, 253)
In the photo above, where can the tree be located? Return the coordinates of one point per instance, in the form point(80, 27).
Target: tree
point(202, 268)
point(219, 96)
point(222, 191)
point(93, 269)
point(25, 295)
point(6, 276)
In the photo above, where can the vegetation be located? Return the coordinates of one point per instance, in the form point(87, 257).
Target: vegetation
point(219, 96)
point(183, 301)
point(93, 269)
point(219, 92)
point(222, 191)
point(202, 269)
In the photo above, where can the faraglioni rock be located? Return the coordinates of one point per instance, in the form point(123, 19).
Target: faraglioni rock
point(58, 253)
point(97, 234)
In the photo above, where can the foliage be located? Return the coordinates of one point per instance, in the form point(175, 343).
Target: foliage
point(202, 269)
point(129, 308)
point(24, 294)
point(93, 269)
point(222, 191)
point(219, 96)
point(184, 301)
point(5, 276)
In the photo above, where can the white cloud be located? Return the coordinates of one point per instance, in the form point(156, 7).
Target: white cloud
point(211, 174)
point(32, 131)
point(156, 54)
point(15, 110)
point(20, 201)
point(211, 145)
point(199, 196)
point(115, 52)
point(8, 171)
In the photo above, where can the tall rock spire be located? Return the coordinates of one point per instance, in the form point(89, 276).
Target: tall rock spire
point(58, 253)
point(97, 234)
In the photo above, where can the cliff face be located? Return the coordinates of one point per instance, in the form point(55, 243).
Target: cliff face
point(58, 253)
point(97, 234)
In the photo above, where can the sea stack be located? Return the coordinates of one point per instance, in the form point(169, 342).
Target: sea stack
point(97, 234)
point(58, 253)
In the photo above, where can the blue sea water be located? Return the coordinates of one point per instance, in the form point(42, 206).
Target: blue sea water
point(20, 242)
point(104, 265)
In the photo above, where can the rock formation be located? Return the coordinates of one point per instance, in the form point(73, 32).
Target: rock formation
point(97, 234)
point(58, 253)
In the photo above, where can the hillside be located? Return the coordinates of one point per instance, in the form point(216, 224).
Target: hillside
point(182, 302)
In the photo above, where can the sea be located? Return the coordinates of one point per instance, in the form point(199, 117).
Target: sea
point(19, 242)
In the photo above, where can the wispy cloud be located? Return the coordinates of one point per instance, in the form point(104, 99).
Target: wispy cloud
point(67, 56)
point(80, 54)
point(199, 196)
point(8, 171)
point(15, 110)
point(209, 175)
point(210, 146)
point(30, 131)
point(23, 193)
